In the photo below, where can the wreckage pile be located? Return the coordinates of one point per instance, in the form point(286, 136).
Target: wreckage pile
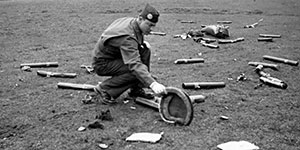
point(220, 34)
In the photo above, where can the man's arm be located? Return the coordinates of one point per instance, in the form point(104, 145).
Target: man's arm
point(132, 58)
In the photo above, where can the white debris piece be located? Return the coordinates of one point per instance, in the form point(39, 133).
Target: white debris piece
point(224, 117)
point(238, 145)
point(103, 146)
point(81, 129)
point(145, 137)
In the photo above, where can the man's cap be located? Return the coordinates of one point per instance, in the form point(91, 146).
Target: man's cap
point(150, 13)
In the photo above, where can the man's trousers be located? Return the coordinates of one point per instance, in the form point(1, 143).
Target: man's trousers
point(121, 77)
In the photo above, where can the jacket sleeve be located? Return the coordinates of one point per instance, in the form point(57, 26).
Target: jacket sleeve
point(131, 57)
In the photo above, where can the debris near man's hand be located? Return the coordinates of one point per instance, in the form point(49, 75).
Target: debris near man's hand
point(282, 60)
point(219, 30)
point(55, 74)
point(231, 41)
point(238, 145)
point(105, 115)
point(145, 137)
point(270, 35)
point(26, 68)
point(254, 24)
point(89, 69)
point(190, 60)
point(265, 39)
point(41, 64)
point(158, 33)
point(224, 22)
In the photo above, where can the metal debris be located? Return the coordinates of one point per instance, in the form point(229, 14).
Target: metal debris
point(254, 24)
point(145, 137)
point(80, 129)
point(89, 69)
point(26, 68)
point(241, 77)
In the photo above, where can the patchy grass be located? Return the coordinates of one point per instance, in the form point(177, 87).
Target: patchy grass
point(35, 114)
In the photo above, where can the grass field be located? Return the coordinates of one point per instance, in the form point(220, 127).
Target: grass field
point(37, 115)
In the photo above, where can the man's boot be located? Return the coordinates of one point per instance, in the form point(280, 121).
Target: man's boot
point(105, 97)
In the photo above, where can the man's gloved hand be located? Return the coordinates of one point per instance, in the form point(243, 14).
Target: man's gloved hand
point(158, 88)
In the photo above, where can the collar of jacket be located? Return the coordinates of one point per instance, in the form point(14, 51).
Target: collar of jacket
point(137, 30)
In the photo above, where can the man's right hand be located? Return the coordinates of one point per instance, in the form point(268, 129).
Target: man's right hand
point(158, 88)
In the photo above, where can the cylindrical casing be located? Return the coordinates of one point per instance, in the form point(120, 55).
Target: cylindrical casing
point(188, 22)
point(239, 39)
point(56, 74)
point(197, 98)
point(41, 64)
point(270, 35)
point(282, 60)
point(265, 39)
point(231, 41)
point(224, 22)
point(158, 33)
point(203, 85)
point(191, 60)
point(209, 45)
point(65, 85)
point(225, 41)
point(273, 82)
